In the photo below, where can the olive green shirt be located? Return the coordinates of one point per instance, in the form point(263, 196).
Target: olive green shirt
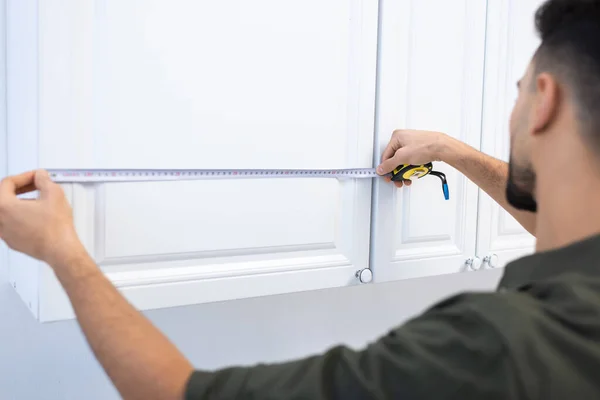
point(536, 337)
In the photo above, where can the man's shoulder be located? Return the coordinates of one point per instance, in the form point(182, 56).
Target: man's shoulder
point(461, 324)
point(480, 304)
point(527, 313)
point(504, 303)
point(567, 289)
point(493, 316)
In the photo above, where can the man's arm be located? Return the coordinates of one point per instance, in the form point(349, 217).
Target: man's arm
point(140, 361)
point(449, 352)
point(487, 172)
point(490, 174)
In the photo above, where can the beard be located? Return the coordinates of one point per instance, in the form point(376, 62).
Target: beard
point(520, 187)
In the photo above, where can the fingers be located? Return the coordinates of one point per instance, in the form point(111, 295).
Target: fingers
point(26, 189)
point(25, 183)
point(406, 182)
point(43, 182)
point(390, 150)
point(389, 164)
point(13, 185)
point(399, 184)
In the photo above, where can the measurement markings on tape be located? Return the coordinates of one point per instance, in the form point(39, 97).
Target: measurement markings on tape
point(141, 175)
point(401, 173)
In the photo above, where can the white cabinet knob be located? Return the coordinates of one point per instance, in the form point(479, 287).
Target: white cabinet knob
point(473, 264)
point(491, 260)
point(364, 275)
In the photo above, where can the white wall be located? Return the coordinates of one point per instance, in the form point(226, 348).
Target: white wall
point(54, 362)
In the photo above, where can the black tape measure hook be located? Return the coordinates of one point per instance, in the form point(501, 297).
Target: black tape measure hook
point(407, 171)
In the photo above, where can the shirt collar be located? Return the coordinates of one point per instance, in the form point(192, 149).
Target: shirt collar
point(581, 257)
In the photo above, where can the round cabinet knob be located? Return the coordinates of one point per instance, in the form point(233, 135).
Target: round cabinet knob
point(364, 275)
point(491, 260)
point(473, 264)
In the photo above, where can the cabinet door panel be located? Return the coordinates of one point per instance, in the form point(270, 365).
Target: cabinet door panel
point(431, 76)
point(228, 84)
point(511, 42)
point(292, 215)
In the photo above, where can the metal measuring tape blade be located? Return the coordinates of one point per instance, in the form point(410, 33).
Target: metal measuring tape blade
point(149, 175)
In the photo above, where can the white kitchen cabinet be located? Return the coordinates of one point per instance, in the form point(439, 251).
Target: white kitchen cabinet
point(199, 84)
point(431, 78)
point(262, 84)
point(511, 43)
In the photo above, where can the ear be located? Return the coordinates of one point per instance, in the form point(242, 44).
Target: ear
point(546, 103)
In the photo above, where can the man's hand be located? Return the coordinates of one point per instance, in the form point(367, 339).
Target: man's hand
point(410, 147)
point(141, 362)
point(420, 147)
point(41, 228)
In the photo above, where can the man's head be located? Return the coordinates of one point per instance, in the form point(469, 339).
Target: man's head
point(559, 95)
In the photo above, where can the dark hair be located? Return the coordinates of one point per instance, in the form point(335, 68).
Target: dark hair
point(570, 50)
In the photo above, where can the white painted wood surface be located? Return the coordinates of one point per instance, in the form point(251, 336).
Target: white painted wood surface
point(22, 124)
point(187, 84)
point(3, 136)
point(511, 42)
point(430, 78)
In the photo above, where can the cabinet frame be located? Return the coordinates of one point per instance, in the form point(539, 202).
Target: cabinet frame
point(495, 236)
point(422, 256)
point(51, 60)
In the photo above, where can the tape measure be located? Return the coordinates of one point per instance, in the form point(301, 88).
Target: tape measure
point(143, 175)
point(408, 171)
point(148, 175)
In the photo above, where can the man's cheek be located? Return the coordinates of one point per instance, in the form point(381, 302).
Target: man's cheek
point(512, 127)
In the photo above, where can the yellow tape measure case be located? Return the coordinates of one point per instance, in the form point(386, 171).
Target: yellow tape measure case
point(408, 171)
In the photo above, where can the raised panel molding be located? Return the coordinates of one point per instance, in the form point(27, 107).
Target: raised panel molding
point(90, 215)
point(510, 44)
point(97, 219)
point(65, 58)
point(429, 79)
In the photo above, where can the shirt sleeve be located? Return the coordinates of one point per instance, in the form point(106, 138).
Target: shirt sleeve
point(448, 351)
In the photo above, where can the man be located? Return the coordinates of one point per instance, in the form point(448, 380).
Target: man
point(536, 337)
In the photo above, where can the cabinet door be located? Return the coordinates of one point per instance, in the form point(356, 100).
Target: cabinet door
point(431, 77)
point(210, 84)
point(511, 42)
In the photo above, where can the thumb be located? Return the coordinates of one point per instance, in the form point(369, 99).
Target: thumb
point(42, 181)
point(390, 164)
